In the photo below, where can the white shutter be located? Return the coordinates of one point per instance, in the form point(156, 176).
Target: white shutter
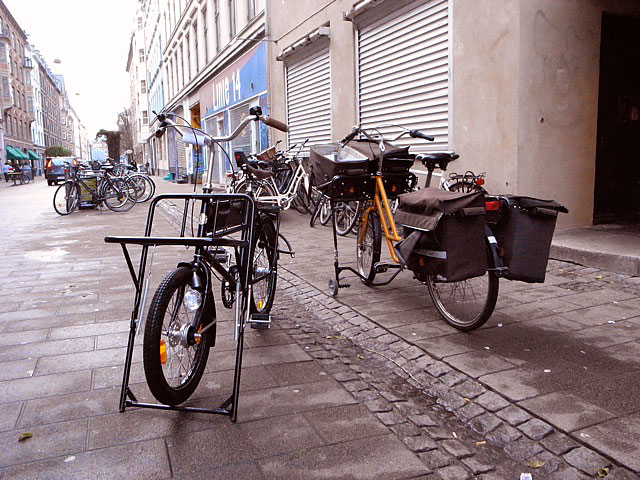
point(309, 99)
point(403, 73)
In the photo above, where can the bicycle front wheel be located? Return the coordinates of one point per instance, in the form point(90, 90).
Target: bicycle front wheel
point(468, 304)
point(264, 274)
point(368, 246)
point(325, 211)
point(174, 360)
point(66, 198)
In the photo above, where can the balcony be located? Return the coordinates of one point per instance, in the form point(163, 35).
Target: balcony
point(28, 63)
point(5, 34)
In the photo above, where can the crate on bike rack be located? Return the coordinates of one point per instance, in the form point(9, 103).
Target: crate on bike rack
point(332, 160)
point(396, 159)
point(445, 232)
point(223, 215)
point(86, 199)
point(524, 233)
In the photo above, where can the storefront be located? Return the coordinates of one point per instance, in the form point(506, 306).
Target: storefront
point(226, 100)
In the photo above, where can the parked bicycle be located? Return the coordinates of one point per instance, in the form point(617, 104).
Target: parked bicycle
point(448, 239)
point(114, 192)
point(236, 241)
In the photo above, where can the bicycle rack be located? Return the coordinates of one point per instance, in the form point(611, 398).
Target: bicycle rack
point(219, 238)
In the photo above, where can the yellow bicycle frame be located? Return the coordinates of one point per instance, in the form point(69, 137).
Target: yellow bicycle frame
point(381, 204)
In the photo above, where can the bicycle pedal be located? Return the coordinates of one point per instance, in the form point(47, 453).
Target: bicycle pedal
point(260, 321)
point(381, 267)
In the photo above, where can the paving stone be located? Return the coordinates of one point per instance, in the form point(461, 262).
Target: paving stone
point(453, 378)
point(423, 420)
point(492, 401)
point(514, 415)
point(485, 423)
point(42, 386)
point(470, 389)
point(365, 395)
point(9, 413)
point(569, 473)
point(420, 443)
point(535, 429)
point(435, 459)
point(378, 406)
point(343, 423)
point(469, 411)
point(550, 462)
point(503, 435)
point(454, 472)
point(438, 369)
point(523, 449)
point(586, 460)
point(390, 418)
point(451, 400)
point(406, 429)
point(391, 396)
point(621, 474)
point(456, 448)
point(476, 466)
point(439, 433)
point(559, 443)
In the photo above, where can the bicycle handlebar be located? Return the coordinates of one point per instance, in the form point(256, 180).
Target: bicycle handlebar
point(418, 134)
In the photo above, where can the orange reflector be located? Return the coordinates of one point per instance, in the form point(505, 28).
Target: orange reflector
point(479, 181)
point(163, 352)
point(492, 205)
point(352, 189)
point(394, 188)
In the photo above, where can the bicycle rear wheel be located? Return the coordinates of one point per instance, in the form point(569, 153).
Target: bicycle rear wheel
point(325, 211)
point(368, 246)
point(345, 216)
point(263, 272)
point(117, 196)
point(468, 304)
point(66, 198)
point(174, 360)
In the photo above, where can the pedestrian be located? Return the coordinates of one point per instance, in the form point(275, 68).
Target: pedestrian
point(6, 168)
point(26, 169)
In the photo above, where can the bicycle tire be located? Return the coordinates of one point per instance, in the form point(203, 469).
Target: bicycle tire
point(181, 384)
point(139, 187)
point(263, 291)
point(66, 198)
point(345, 214)
point(259, 189)
point(116, 195)
point(152, 184)
point(25, 179)
point(468, 304)
point(325, 211)
point(368, 248)
point(301, 200)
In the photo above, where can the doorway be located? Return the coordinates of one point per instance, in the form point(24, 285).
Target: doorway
point(617, 183)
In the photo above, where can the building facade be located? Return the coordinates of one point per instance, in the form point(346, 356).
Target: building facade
point(17, 92)
point(37, 125)
point(50, 100)
point(529, 92)
point(212, 69)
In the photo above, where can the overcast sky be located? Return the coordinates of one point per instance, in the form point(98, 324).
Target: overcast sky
point(91, 39)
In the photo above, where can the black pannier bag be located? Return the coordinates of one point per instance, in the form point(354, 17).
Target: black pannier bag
point(224, 214)
point(524, 233)
point(444, 233)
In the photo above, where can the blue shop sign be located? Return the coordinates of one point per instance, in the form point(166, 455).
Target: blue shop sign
point(243, 80)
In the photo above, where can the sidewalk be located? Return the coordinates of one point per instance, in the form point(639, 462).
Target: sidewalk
point(362, 386)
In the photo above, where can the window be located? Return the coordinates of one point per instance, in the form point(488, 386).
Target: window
point(3, 53)
point(205, 35)
point(139, 23)
point(195, 48)
point(186, 46)
point(232, 18)
point(145, 117)
point(141, 55)
point(143, 86)
point(251, 9)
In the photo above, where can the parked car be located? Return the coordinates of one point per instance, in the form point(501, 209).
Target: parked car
point(54, 168)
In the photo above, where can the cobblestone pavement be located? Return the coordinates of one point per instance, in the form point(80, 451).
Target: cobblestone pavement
point(561, 357)
point(338, 388)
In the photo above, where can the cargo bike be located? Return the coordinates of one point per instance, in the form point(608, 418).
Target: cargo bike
point(458, 243)
point(237, 242)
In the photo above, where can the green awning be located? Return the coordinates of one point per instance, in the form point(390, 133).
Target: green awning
point(14, 154)
point(33, 155)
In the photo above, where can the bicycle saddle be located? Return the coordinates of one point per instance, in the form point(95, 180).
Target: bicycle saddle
point(437, 159)
point(259, 174)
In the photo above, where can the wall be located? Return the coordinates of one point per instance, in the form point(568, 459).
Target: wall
point(558, 106)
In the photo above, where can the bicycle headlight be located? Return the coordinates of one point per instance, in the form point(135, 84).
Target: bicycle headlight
point(192, 299)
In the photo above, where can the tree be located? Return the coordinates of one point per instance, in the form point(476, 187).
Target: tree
point(112, 138)
point(57, 151)
point(126, 129)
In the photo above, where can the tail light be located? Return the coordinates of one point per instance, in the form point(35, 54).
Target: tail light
point(479, 181)
point(492, 206)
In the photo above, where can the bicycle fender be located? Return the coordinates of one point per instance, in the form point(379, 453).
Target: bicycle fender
point(493, 247)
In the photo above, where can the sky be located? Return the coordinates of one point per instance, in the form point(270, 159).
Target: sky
point(91, 39)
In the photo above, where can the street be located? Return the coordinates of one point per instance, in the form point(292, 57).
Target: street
point(371, 384)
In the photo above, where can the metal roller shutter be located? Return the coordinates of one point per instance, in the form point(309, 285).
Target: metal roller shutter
point(403, 73)
point(309, 99)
